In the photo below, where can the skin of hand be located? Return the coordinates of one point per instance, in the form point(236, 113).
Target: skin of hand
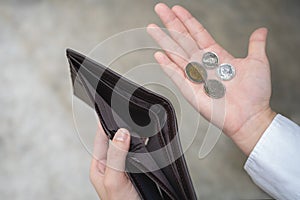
point(108, 165)
point(247, 98)
point(248, 112)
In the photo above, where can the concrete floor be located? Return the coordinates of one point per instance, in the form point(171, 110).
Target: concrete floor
point(40, 151)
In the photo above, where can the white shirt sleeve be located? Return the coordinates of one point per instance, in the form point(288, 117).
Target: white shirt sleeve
point(274, 163)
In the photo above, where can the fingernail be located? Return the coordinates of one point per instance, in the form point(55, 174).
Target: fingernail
point(121, 135)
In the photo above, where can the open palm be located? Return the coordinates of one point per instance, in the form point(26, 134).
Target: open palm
point(246, 102)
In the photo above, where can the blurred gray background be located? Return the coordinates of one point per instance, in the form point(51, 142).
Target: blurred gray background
point(41, 155)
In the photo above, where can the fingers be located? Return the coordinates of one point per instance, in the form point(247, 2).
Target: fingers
point(99, 153)
point(176, 28)
point(112, 183)
point(190, 90)
point(116, 157)
point(97, 168)
point(100, 144)
point(188, 34)
point(257, 45)
point(204, 40)
point(170, 68)
point(197, 31)
point(172, 49)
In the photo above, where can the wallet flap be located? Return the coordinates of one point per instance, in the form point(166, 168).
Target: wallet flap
point(97, 85)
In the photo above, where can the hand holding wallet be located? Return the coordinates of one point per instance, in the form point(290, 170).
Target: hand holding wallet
point(155, 163)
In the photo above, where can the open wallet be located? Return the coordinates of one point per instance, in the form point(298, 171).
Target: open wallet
point(155, 163)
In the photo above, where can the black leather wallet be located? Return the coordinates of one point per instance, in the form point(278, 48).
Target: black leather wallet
point(155, 163)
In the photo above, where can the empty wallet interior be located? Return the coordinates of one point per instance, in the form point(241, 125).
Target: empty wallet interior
point(155, 164)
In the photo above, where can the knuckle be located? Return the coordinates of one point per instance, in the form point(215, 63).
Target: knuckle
point(181, 35)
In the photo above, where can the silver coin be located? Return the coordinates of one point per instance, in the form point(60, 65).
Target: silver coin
point(226, 71)
point(210, 60)
point(214, 89)
point(195, 72)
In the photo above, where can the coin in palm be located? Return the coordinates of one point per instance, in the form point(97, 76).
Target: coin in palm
point(226, 72)
point(210, 60)
point(195, 72)
point(214, 89)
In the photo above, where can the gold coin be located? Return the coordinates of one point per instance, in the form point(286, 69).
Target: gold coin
point(196, 72)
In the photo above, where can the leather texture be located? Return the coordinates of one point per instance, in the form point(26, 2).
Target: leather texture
point(155, 165)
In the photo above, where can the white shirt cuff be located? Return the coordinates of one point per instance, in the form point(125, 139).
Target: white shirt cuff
point(274, 163)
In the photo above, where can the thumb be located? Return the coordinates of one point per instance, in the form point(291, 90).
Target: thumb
point(257, 44)
point(116, 157)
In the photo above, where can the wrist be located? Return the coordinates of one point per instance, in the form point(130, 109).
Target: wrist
point(249, 134)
